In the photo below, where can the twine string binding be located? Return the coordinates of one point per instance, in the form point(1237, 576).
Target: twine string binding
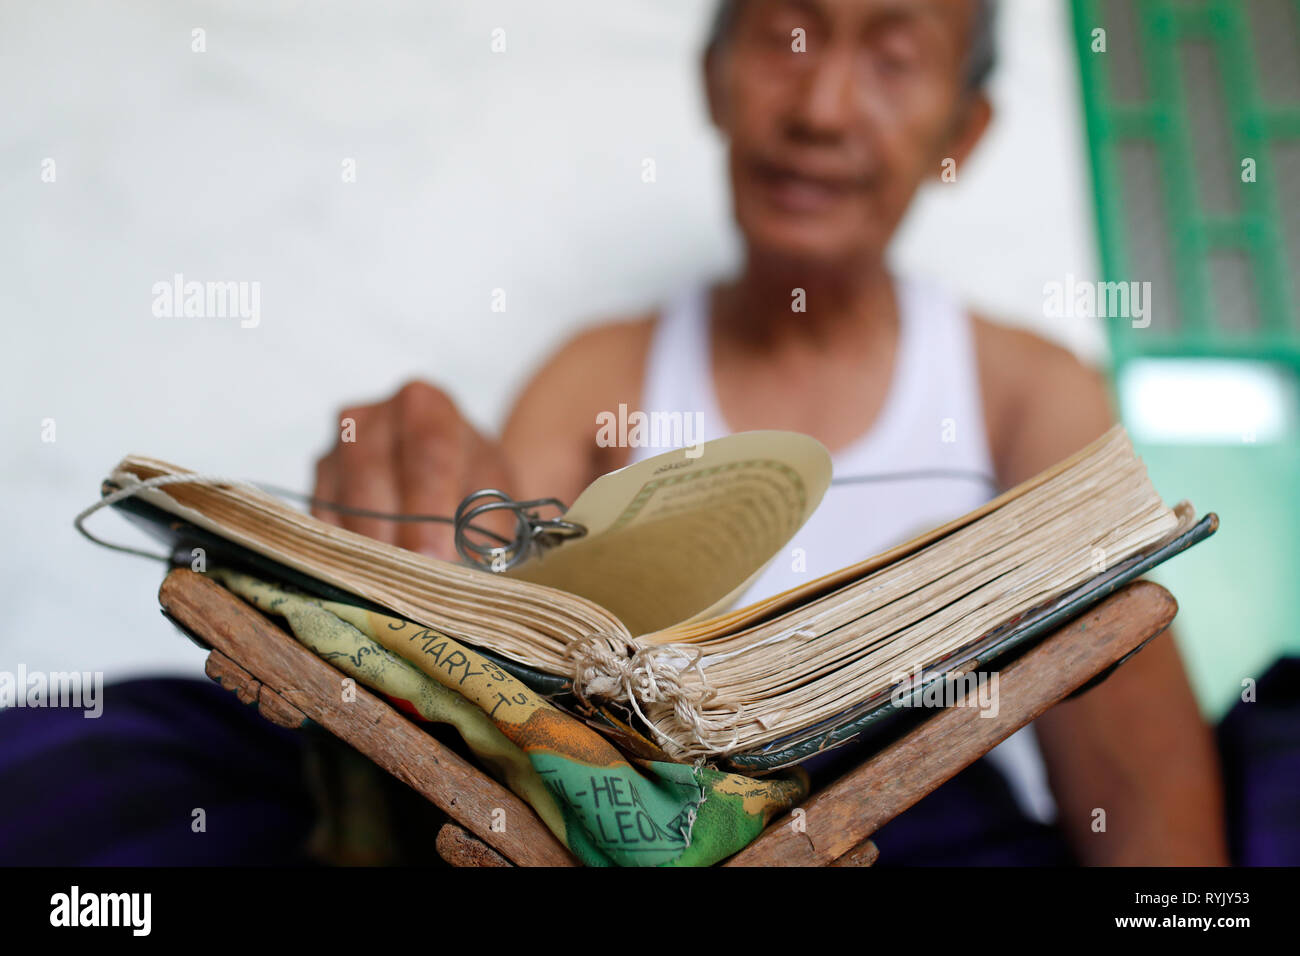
point(643, 675)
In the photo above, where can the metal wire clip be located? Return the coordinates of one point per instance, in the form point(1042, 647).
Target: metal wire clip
point(533, 533)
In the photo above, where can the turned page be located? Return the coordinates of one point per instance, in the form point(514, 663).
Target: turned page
point(680, 535)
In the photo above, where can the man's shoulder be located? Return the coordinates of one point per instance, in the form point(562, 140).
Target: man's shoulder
point(619, 340)
point(601, 362)
point(598, 361)
point(594, 369)
point(1001, 343)
point(1042, 402)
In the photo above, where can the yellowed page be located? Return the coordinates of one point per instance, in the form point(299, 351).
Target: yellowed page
point(679, 536)
point(694, 630)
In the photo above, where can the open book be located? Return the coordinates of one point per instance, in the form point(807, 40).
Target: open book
point(630, 619)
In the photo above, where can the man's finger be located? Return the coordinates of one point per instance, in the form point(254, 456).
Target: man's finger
point(367, 472)
point(430, 460)
point(326, 489)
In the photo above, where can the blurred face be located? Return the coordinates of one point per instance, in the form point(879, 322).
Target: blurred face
point(835, 112)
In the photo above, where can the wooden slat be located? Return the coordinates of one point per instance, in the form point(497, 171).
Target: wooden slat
point(249, 690)
point(864, 854)
point(232, 677)
point(300, 681)
point(841, 816)
point(460, 848)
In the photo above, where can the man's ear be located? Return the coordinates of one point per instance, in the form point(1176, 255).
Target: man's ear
point(973, 119)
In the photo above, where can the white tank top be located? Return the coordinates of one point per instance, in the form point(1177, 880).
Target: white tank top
point(932, 420)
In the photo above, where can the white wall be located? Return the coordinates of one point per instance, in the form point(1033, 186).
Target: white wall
point(475, 171)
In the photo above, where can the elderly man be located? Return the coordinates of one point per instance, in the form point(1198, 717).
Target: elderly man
point(835, 112)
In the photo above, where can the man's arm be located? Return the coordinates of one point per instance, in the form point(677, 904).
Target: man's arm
point(1135, 746)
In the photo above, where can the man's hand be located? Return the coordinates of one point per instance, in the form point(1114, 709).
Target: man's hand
point(412, 454)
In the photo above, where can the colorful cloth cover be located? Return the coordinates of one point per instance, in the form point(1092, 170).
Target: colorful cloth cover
point(605, 810)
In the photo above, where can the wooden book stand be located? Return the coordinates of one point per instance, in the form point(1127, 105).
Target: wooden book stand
point(264, 665)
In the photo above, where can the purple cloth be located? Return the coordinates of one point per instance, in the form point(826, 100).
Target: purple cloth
point(1259, 744)
point(121, 789)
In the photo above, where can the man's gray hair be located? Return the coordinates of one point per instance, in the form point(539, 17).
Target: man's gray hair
point(980, 58)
